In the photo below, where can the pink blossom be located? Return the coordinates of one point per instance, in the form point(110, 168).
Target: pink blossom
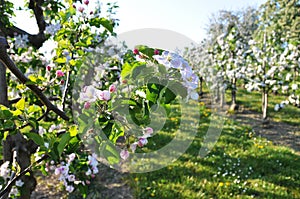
point(142, 142)
point(89, 94)
point(59, 73)
point(104, 95)
point(133, 146)
point(124, 154)
point(71, 178)
point(81, 9)
point(69, 188)
point(71, 157)
point(112, 88)
point(148, 131)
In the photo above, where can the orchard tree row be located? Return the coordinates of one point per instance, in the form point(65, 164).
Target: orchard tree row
point(256, 48)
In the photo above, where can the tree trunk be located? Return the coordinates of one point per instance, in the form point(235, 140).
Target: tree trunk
point(3, 86)
point(17, 143)
point(264, 104)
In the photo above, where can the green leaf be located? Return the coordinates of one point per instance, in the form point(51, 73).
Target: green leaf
point(20, 105)
point(107, 24)
point(126, 70)
point(110, 153)
point(9, 124)
point(5, 114)
point(65, 138)
point(36, 138)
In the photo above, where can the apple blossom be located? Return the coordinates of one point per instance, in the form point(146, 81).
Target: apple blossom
point(142, 142)
point(104, 95)
point(59, 73)
point(124, 154)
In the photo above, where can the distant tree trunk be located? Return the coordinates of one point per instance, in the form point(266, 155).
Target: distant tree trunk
point(201, 85)
point(234, 105)
point(222, 96)
point(264, 104)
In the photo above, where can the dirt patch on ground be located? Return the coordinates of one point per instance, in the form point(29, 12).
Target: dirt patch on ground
point(279, 133)
point(108, 184)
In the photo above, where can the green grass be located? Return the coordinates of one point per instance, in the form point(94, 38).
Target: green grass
point(239, 166)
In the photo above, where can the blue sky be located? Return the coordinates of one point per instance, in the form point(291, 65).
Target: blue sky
point(188, 17)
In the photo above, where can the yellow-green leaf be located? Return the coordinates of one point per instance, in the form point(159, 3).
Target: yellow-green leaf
point(20, 105)
point(61, 60)
point(33, 108)
point(16, 112)
point(72, 62)
point(73, 131)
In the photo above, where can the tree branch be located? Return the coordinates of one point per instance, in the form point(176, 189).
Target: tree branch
point(22, 173)
point(5, 59)
point(35, 5)
point(36, 40)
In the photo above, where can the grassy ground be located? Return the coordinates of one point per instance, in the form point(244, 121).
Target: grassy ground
point(240, 165)
point(252, 100)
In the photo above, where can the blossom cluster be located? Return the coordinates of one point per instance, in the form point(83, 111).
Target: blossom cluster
point(175, 61)
point(141, 142)
point(68, 178)
point(52, 29)
point(21, 41)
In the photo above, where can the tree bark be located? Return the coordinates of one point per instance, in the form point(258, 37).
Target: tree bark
point(3, 86)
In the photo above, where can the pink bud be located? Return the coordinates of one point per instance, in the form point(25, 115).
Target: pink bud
point(135, 51)
point(81, 9)
point(59, 73)
point(88, 182)
point(74, 6)
point(86, 2)
point(91, 12)
point(156, 52)
point(93, 176)
point(48, 68)
point(112, 88)
point(87, 105)
point(62, 82)
point(124, 81)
